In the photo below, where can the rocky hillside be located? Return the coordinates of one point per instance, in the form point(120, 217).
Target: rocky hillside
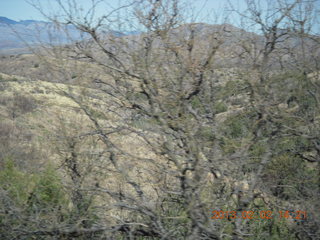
point(179, 133)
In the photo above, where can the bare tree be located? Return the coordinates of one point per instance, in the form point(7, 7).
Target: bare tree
point(167, 151)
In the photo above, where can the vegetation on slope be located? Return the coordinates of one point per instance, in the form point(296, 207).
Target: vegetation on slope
point(154, 136)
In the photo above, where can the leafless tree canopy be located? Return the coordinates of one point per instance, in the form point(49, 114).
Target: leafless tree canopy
point(195, 118)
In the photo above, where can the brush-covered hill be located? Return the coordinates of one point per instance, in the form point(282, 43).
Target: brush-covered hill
point(150, 135)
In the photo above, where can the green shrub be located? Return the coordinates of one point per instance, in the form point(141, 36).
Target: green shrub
point(175, 214)
point(229, 145)
point(43, 189)
point(47, 190)
point(206, 134)
point(273, 229)
point(236, 126)
point(234, 87)
point(220, 107)
point(289, 178)
point(197, 104)
point(16, 183)
point(293, 144)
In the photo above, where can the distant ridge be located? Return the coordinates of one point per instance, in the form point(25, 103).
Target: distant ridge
point(17, 36)
point(7, 20)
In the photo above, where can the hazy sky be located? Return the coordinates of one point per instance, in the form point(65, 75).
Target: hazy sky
point(21, 10)
point(17, 10)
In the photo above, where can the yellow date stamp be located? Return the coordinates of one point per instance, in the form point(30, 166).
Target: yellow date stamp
point(268, 214)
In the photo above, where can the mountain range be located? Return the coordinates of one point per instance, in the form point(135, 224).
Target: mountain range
point(4, 20)
point(17, 36)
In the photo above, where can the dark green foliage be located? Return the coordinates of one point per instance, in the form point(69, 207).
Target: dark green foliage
point(237, 126)
point(38, 201)
point(290, 178)
point(174, 214)
point(38, 196)
point(195, 102)
point(47, 191)
point(16, 183)
point(42, 189)
point(274, 229)
point(293, 144)
point(233, 88)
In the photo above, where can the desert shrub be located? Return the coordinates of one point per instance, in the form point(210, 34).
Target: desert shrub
point(37, 90)
point(3, 85)
point(13, 136)
point(276, 229)
point(18, 104)
point(257, 150)
point(195, 102)
point(307, 105)
point(150, 124)
point(220, 107)
point(206, 134)
point(6, 129)
point(293, 88)
point(43, 188)
point(48, 190)
point(288, 177)
point(236, 126)
point(24, 104)
point(4, 100)
point(294, 144)
point(14, 182)
point(229, 145)
point(176, 215)
point(198, 104)
point(96, 113)
point(233, 87)
point(30, 202)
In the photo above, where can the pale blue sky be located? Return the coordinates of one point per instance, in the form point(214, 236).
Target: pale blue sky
point(18, 10)
point(21, 10)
